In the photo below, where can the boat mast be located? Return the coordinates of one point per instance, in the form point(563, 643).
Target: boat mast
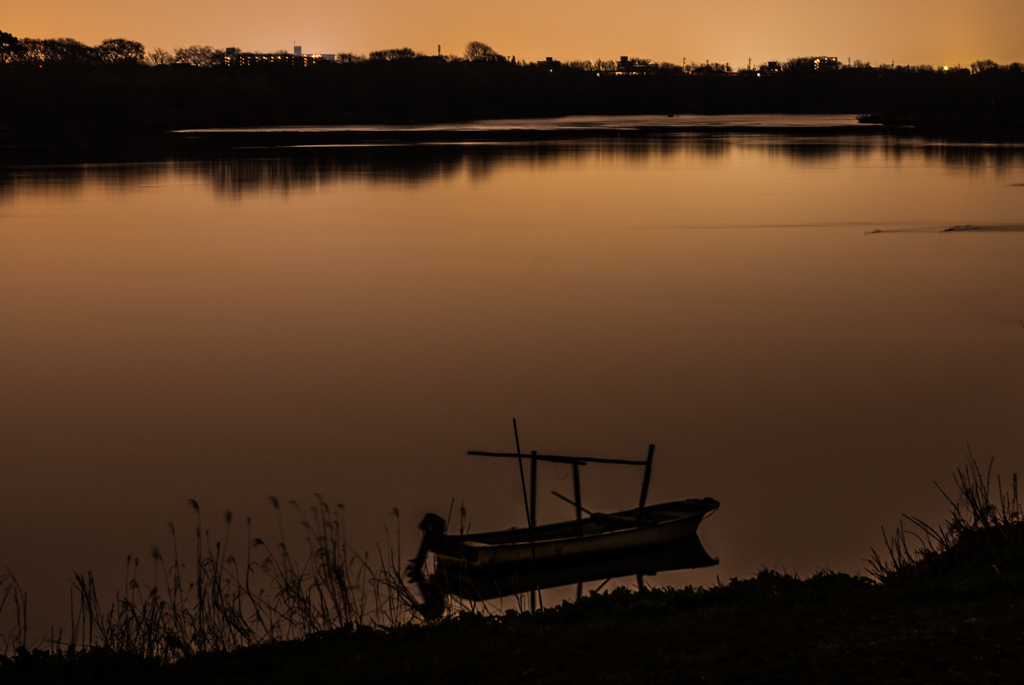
point(643, 501)
point(530, 510)
point(579, 514)
point(533, 517)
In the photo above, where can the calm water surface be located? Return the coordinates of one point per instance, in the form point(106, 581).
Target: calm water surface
point(786, 319)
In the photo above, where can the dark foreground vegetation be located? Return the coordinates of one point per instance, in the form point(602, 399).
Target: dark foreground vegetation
point(61, 90)
point(943, 604)
point(964, 627)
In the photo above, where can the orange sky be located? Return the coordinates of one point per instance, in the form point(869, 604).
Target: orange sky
point(904, 31)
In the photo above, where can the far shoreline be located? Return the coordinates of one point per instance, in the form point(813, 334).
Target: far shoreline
point(81, 146)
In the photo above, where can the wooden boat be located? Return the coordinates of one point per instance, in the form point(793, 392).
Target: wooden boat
point(641, 541)
point(600, 546)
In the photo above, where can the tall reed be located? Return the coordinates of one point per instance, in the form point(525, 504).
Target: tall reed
point(217, 601)
point(983, 523)
point(204, 598)
point(13, 614)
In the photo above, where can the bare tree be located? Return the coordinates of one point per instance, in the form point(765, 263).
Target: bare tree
point(984, 65)
point(119, 50)
point(58, 50)
point(348, 58)
point(10, 48)
point(481, 52)
point(158, 57)
point(393, 54)
point(799, 64)
point(580, 64)
point(199, 56)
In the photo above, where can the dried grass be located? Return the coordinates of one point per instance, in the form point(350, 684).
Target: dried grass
point(983, 524)
point(13, 604)
point(215, 601)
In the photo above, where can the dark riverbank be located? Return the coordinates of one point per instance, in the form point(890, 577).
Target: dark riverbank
point(140, 146)
point(962, 627)
point(63, 103)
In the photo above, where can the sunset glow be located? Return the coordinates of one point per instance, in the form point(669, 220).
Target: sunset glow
point(879, 31)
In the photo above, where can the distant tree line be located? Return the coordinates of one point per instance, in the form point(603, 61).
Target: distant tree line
point(122, 51)
point(68, 50)
point(117, 88)
point(52, 51)
point(194, 55)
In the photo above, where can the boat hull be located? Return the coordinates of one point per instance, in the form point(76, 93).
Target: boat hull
point(484, 566)
point(488, 581)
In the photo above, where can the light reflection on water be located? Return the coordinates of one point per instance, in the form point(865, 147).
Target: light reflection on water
point(783, 316)
point(297, 168)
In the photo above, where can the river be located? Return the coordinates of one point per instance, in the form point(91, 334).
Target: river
point(786, 317)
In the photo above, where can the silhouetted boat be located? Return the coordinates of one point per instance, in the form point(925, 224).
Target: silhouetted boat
point(641, 541)
point(601, 546)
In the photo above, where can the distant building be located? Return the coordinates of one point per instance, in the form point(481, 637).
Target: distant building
point(630, 66)
point(233, 57)
point(826, 63)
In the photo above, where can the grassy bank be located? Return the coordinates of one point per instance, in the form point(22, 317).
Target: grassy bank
point(942, 603)
point(963, 627)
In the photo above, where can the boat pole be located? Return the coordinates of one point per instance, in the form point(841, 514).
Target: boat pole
point(643, 502)
point(647, 481)
point(533, 518)
point(529, 517)
point(533, 487)
point(579, 503)
point(579, 514)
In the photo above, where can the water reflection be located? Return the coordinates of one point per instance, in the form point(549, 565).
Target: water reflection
point(810, 150)
point(236, 172)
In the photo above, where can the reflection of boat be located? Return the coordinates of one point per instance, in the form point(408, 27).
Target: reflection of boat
point(487, 565)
